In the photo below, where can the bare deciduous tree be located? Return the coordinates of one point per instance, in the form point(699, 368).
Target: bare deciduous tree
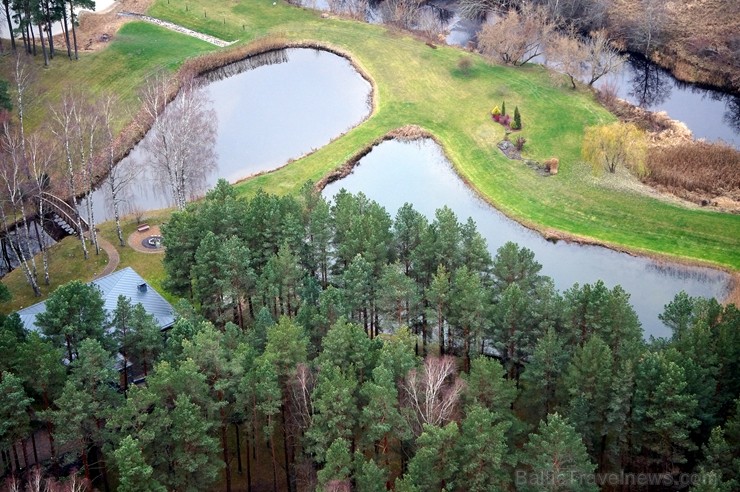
point(518, 37)
point(119, 177)
point(432, 393)
point(356, 9)
point(182, 139)
point(403, 13)
point(566, 54)
point(644, 23)
point(603, 58)
point(476, 9)
point(39, 160)
point(14, 182)
point(64, 127)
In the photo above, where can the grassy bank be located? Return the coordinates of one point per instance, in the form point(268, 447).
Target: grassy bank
point(418, 85)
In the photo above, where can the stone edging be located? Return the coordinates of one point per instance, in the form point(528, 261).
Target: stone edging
point(178, 28)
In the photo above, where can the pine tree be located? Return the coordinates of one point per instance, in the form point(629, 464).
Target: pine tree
point(135, 475)
point(481, 450)
point(557, 459)
point(467, 308)
point(15, 423)
point(337, 467)
point(74, 312)
point(369, 477)
point(488, 387)
point(543, 373)
point(435, 464)
point(662, 415)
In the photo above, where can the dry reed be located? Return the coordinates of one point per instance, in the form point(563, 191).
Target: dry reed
point(710, 168)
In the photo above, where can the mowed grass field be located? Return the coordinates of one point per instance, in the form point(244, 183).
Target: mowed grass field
point(418, 85)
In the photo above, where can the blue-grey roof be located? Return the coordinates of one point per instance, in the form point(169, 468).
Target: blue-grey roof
point(124, 282)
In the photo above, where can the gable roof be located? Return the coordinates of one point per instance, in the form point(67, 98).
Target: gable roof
point(124, 282)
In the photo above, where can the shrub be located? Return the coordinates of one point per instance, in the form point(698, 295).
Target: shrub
point(496, 111)
point(519, 144)
point(503, 107)
point(464, 65)
point(505, 120)
point(552, 165)
point(517, 125)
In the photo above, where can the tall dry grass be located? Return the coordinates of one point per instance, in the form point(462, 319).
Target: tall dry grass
point(710, 168)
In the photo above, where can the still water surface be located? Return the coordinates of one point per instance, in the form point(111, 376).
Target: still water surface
point(395, 172)
point(271, 108)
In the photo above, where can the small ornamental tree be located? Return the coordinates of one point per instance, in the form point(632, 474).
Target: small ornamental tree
point(517, 124)
point(503, 108)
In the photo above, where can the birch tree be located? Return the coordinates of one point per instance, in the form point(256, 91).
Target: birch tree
point(63, 127)
point(182, 138)
point(39, 160)
point(14, 184)
point(119, 177)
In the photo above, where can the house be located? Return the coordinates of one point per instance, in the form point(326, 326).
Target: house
point(124, 282)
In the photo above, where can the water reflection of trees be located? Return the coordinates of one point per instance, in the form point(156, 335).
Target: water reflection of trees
point(685, 273)
point(649, 84)
point(732, 113)
point(269, 58)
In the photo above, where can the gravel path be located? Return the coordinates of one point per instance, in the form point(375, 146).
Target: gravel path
point(175, 27)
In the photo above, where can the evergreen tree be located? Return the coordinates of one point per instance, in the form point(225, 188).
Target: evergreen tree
point(87, 400)
point(543, 374)
point(662, 415)
point(73, 313)
point(435, 464)
point(397, 297)
point(215, 360)
point(517, 123)
point(147, 341)
point(514, 265)
point(135, 475)
point(488, 387)
point(466, 311)
point(369, 477)
point(15, 423)
point(408, 229)
point(338, 466)
point(557, 459)
point(481, 450)
point(380, 420)
point(592, 404)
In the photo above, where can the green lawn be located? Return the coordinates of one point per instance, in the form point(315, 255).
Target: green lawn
point(66, 262)
point(423, 86)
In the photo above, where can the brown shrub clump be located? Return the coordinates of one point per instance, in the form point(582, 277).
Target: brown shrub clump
point(552, 165)
point(690, 168)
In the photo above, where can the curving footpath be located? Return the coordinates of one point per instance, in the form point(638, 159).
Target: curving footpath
point(113, 258)
point(178, 28)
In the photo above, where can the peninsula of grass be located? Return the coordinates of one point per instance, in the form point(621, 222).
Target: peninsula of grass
point(418, 85)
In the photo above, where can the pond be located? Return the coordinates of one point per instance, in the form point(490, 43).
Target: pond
point(271, 108)
point(396, 172)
